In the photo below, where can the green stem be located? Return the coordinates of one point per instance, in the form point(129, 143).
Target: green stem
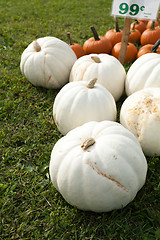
point(136, 21)
point(95, 34)
point(152, 25)
point(156, 45)
point(158, 17)
point(133, 27)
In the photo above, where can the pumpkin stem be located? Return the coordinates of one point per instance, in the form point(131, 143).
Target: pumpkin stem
point(36, 46)
point(158, 17)
point(156, 45)
point(96, 59)
point(69, 38)
point(136, 21)
point(116, 24)
point(95, 34)
point(152, 25)
point(133, 27)
point(91, 83)
point(87, 143)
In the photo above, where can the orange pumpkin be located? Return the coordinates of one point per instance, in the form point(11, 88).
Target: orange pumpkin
point(151, 35)
point(114, 35)
point(97, 44)
point(145, 21)
point(131, 52)
point(149, 48)
point(150, 22)
point(77, 48)
point(139, 26)
point(134, 35)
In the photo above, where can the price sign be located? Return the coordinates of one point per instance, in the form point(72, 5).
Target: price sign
point(144, 9)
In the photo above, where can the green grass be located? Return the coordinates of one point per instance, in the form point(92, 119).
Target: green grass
point(30, 207)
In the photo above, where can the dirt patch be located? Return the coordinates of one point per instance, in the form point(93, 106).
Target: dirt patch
point(98, 171)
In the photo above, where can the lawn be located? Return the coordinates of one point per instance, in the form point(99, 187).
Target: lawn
point(30, 206)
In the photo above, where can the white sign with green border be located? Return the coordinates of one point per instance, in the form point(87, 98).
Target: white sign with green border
point(143, 9)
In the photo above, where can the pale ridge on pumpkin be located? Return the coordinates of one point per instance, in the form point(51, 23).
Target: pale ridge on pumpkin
point(144, 72)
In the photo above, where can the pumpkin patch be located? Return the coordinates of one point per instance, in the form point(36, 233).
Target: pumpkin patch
point(79, 155)
point(106, 155)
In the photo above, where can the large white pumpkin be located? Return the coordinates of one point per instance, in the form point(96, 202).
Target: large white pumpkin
point(98, 166)
point(140, 113)
point(143, 73)
point(81, 102)
point(106, 68)
point(47, 62)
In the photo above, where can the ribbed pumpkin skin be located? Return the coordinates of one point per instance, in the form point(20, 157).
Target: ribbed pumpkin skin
point(97, 46)
point(78, 50)
point(139, 26)
point(134, 36)
point(145, 21)
point(50, 67)
point(149, 24)
point(143, 73)
point(103, 177)
point(147, 49)
point(150, 36)
point(114, 36)
point(140, 114)
point(131, 52)
point(76, 104)
point(85, 69)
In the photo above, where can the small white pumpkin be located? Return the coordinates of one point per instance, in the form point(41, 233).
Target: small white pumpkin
point(81, 102)
point(47, 62)
point(140, 113)
point(106, 68)
point(143, 73)
point(98, 166)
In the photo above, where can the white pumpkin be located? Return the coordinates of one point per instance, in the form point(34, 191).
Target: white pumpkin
point(81, 102)
point(106, 68)
point(47, 62)
point(98, 166)
point(143, 73)
point(140, 113)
